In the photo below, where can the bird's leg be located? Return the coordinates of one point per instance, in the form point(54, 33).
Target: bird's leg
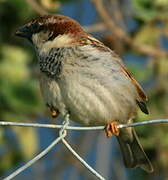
point(54, 112)
point(111, 128)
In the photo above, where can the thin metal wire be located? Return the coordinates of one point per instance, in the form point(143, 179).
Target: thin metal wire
point(43, 153)
point(62, 134)
point(39, 156)
point(38, 125)
point(63, 131)
point(157, 121)
point(82, 161)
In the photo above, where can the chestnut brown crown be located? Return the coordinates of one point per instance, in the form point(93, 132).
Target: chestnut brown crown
point(55, 24)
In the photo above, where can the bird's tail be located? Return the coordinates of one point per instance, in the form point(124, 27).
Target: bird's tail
point(133, 153)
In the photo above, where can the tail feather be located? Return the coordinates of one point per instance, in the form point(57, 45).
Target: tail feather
point(133, 153)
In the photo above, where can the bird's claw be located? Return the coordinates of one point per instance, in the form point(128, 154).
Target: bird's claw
point(54, 113)
point(111, 128)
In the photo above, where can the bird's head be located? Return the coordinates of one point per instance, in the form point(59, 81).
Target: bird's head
point(50, 31)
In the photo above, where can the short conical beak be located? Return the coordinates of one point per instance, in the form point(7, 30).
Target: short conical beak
point(24, 32)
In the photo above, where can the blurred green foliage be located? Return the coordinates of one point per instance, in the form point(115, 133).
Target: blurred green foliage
point(147, 10)
point(19, 91)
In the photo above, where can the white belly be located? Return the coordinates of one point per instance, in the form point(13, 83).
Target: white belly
point(89, 101)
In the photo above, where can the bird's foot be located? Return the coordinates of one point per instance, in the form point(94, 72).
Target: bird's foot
point(54, 113)
point(111, 128)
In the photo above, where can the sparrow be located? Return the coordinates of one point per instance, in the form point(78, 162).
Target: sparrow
point(80, 76)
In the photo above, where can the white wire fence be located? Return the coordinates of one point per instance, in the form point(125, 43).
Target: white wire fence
point(62, 134)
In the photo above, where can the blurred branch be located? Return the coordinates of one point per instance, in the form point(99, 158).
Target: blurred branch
point(119, 32)
point(95, 28)
point(36, 6)
point(118, 15)
point(50, 4)
point(122, 35)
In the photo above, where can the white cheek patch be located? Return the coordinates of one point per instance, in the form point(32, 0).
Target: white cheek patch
point(37, 41)
point(35, 38)
point(44, 46)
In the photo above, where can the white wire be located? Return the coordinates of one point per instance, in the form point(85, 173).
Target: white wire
point(63, 130)
point(82, 161)
point(39, 156)
point(62, 134)
point(157, 121)
point(38, 125)
point(43, 153)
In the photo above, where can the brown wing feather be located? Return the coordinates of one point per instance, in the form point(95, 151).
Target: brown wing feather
point(141, 93)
